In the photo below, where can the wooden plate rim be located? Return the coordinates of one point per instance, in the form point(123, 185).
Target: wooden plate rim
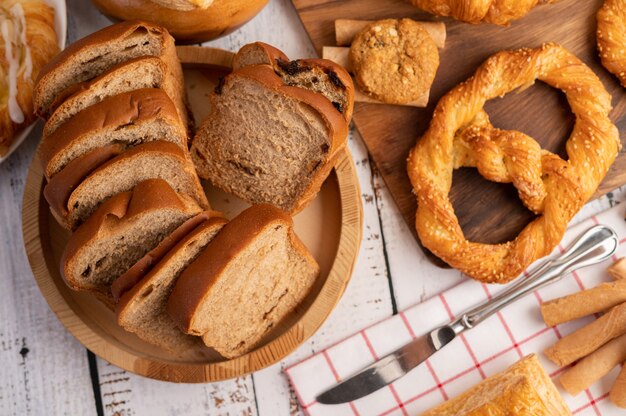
point(94, 337)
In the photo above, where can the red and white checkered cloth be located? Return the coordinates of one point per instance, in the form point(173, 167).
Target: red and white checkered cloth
point(487, 349)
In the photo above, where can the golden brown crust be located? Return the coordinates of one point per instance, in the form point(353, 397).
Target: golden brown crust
point(612, 37)
point(592, 148)
point(116, 111)
point(394, 60)
point(187, 26)
point(500, 12)
point(136, 290)
point(271, 54)
point(149, 195)
point(132, 276)
point(523, 389)
point(41, 39)
point(196, 281)
point(618, 392)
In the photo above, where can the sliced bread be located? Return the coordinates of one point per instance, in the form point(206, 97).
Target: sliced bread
point(97, 53)
point(142, 309)
point(138, 73)
point(248, 279)
point(84, 191)
point(122, 231)
point(268, 142)
point(127, 119)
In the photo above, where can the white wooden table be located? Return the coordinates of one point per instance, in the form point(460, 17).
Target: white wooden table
point(45, 371)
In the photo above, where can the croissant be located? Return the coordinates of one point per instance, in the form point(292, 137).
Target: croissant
point(499, 12)
point(27, 42)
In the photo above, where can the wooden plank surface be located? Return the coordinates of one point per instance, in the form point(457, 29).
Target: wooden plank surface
point(488, 212)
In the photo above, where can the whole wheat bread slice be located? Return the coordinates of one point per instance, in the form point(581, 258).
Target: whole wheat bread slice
point(138, 73)
point(121, 232)
point(152, 160)
point(142, 309)
point(268, 142)
point(128, 119)
point(248, 279)
point(97, 53)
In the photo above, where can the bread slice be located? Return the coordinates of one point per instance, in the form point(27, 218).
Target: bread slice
point(319, 75)
point(97, 53)
point(268, 142)
point(128, 119)
point(248, 279)
point(121, 232)
point(138, 73)
point(142, 309)
point(80, 192)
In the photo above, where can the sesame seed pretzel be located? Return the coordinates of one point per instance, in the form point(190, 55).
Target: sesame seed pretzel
point(612, 37)
point(499, 12)
point(460, 134)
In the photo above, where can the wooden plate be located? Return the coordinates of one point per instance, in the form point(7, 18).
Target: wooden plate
point(330, 227)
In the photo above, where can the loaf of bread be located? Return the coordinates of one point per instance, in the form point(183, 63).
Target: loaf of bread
point(524, 389)
point(256, 256)
point(76, 191)
point(122, 231)
point(142, 309)
point(102, 51)
point(274, 131)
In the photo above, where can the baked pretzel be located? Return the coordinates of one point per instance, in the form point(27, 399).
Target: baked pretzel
point(460, 135)
point(499, 12)
point(612, 37)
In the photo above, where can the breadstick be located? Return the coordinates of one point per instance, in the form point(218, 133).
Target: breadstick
point(587, 302)
point(618, 392)
point(346, 30)
point(594, 366)
point(340, 56)
point(588, 339)
point(618, 269)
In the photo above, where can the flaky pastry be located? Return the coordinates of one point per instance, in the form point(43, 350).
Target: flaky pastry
point(612, 37)
point(499, 12)
point(460, 135)
point(27, 42)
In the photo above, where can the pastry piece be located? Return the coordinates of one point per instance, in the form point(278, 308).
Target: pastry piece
point(270, 138)
point(144, 265)
point(618, 269)
point(75, 196)
point(589, 338)
point(461, 135)
point(126, 119)
point(101, 51)
point(586, 302)
point(189, 21)
point(121, 232)
point(347, 29)
point(136, 74)
point(618, 392)
point(142, 309)
point(522, 389)
point(394, 60)
point(27, 42)
point(612, 37)
point(256, 257)
point(499, 12)
point(594, 366)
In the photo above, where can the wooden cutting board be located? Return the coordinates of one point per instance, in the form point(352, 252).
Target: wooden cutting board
point(488, 212)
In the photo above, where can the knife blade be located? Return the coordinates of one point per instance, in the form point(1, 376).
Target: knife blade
point(389, 368)
point(593, 246)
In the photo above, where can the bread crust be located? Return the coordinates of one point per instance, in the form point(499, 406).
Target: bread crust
point(41, 39)
point(125, 282)
point(120, 110)
point(187, 26)
point(149, 195)
point(612, 37)
point(196, 281)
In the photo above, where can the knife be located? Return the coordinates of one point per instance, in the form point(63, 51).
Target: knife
point(593, 246)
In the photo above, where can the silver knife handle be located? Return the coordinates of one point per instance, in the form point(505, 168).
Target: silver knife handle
point(593, 246)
